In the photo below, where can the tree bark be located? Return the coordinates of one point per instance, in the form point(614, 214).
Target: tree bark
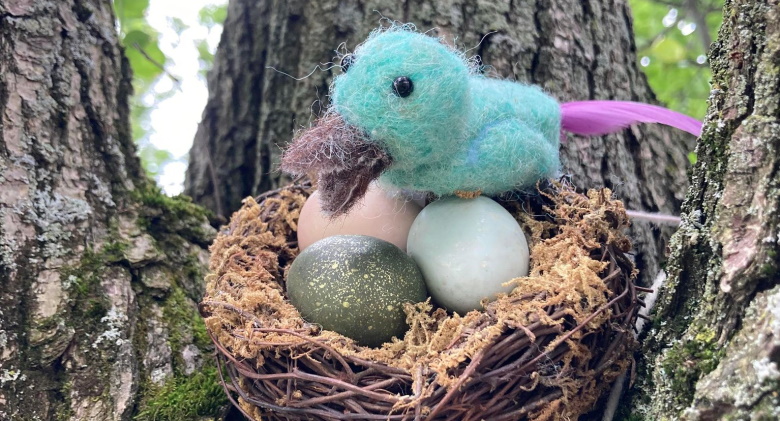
point(714, 348)
point(99, 272)
point(574, 49)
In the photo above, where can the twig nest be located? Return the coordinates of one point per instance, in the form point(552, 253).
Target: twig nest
point(544, 351)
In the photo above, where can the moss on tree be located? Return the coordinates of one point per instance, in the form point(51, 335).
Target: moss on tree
point(707, 356)
point(184, 397)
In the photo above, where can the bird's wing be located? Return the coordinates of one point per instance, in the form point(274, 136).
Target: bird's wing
point(506, 155)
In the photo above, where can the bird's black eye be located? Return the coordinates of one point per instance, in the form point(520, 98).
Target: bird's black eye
point(403, 86)
point(347, 61)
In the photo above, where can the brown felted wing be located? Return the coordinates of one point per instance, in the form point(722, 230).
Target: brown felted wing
point(342, 157)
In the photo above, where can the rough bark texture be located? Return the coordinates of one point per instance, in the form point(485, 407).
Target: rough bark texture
point(574, 49)
point(99, 272)
point(714, 349)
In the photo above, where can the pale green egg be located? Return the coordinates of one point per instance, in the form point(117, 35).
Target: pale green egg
point(355, 285)
point(466, 249)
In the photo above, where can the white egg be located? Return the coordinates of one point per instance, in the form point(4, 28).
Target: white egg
point(466, 249)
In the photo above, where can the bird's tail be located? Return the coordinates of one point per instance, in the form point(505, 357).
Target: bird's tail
point(593, 118)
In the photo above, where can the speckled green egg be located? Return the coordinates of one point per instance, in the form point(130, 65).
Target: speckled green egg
point(355, 285)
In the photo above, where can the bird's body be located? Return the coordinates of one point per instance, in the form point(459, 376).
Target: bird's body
point(510, 141)
point(456, 130)
point(416, 112)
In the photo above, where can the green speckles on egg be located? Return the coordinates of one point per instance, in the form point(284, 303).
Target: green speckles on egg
point(356, 286)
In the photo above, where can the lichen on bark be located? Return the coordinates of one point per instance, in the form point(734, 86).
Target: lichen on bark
point(713, 350)
point(94, 260)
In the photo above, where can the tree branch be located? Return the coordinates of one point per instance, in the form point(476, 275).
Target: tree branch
point(700, 18)
point(156, 63)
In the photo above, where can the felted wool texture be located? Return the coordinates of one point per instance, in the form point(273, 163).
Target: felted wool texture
point(423, 127)
point(457, 131)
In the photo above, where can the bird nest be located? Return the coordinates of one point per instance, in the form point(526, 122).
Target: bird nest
point(545, 351)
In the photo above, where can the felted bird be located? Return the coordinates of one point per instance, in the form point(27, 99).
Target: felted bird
point(414, 111)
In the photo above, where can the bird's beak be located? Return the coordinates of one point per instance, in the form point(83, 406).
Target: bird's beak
point(343, 158)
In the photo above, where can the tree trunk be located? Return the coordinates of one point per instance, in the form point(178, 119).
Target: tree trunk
point(99, 272)
point(714, 348)
point(574, 49)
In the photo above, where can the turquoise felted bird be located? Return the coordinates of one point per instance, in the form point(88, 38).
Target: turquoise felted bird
point(413, 110)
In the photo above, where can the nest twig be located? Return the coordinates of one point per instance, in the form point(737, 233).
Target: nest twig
point(546, 351)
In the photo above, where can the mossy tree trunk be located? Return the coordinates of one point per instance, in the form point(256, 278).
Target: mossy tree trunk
point(574, 49)
point(714, 349)
point(99, 272)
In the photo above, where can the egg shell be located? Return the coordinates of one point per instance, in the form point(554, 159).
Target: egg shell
point(466, 249)
point(355, 285)
point(379, 214)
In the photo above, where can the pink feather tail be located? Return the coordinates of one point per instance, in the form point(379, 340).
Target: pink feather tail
point(593, 118)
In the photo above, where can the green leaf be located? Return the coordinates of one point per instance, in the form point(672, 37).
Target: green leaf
point(212, 15)
point(668, 50)
point(147, 63)
point(141, 42)
point(204, 54)
point(154, 159)
point(647, 20)
point(127, 10)
point(177, 25)
point(676, 79)
point(139, 37)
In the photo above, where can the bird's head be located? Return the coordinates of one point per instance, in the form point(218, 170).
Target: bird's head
point(401, 101)
point(408, 92)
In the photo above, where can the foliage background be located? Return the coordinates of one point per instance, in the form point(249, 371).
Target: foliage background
point(672, 39)
point(158, 45)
